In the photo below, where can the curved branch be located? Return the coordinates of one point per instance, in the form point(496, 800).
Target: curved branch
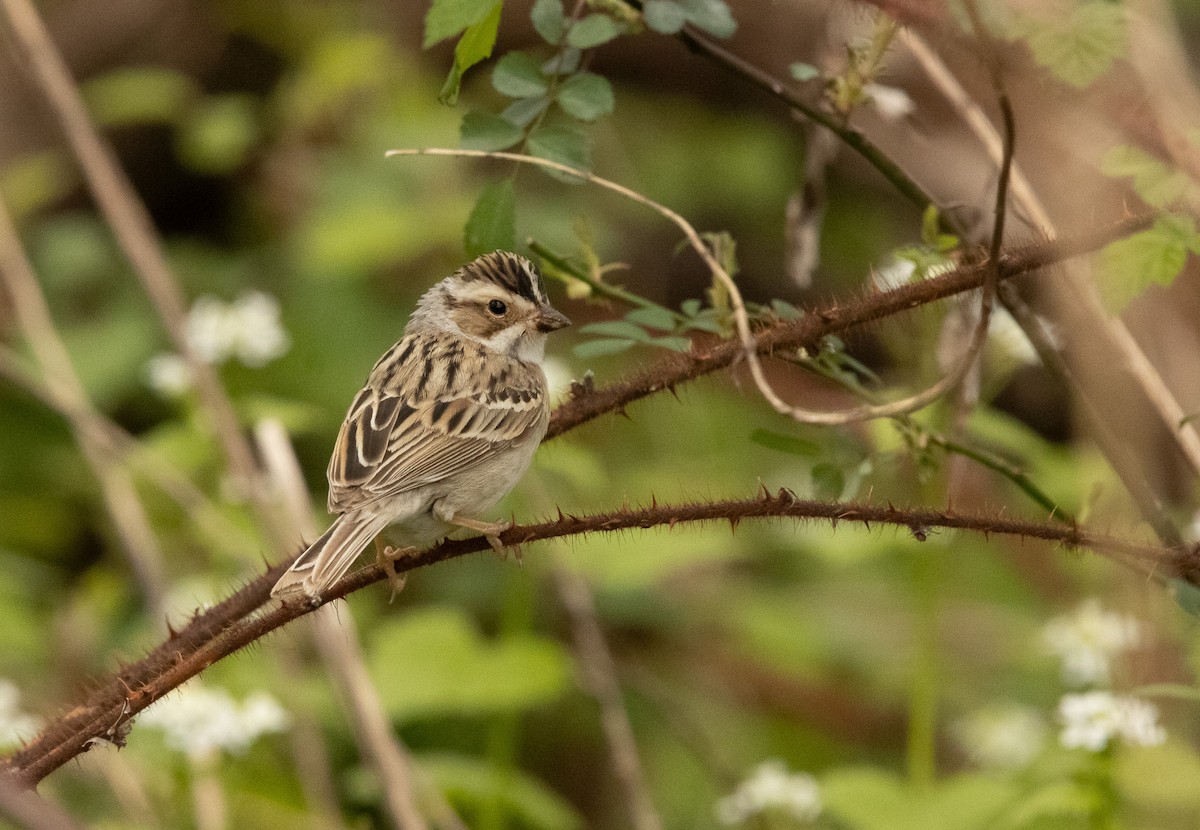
point(678, 368)
point(746, 335)
point(230, 626)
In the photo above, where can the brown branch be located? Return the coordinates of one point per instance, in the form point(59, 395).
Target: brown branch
point(132, 226)
point(228, 627)
point(28, 810)
point(677, 368)
point(599, 679)
point(337, 642)
point(135, 537)
point(214, 633)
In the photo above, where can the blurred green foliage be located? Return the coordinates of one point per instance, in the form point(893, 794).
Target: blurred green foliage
point(792, 640)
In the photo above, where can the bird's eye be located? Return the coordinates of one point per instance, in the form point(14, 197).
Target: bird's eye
point(497, 307)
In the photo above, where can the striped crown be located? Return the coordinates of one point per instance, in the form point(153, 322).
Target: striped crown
point(509, 271)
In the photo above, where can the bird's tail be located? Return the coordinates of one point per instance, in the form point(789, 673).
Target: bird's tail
point(328, 558)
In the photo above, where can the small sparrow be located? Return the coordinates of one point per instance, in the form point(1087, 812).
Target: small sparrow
point(447, 423)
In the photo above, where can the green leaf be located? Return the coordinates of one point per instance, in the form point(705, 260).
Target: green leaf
point(492, 223)
point(804, 71)
point(593, 30)
point(487, 131)
point(690, 306)
point(930, 225)
point(789, 444)
point(432, 662)
point(586, 96)
point(138, 95)
point(829, 482)
point(563, 63)
point(664, 16)
point(219, 133)
point(446, 18)
point(1156, 183)
point(708, 324)
point(785, 310)
point(675, 344)
point(523, 111)
point(599, 348)
point(35, 180)
point(518, 75)
point(1187, 596)
point(548, 20)
point(1129, 266)
point(474, 46)
point(617, 328)
point(654, 317)
point(712, 16)
point(1081, 48)
point(558, 142)
point(481, 784)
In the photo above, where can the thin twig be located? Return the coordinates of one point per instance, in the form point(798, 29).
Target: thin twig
point(124, 448)
point(737, 304)
point(599, 677)
point(31, 812)
point(132, 226)
point(136, 537)
point(1083, 294)
point(676, 369)
point(337, 641)
point(852, 138)
point(596, 286)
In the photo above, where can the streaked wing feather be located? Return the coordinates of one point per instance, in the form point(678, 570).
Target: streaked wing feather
point(438, 453)
point(388, 446)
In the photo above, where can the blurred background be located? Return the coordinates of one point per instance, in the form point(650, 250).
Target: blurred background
point(918, 678)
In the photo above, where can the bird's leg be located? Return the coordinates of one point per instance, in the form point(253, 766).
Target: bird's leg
point(490, 530)
point(385, 557)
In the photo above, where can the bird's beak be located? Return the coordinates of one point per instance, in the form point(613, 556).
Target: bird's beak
point(550, 319)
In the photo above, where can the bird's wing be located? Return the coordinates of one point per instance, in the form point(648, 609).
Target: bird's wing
point(391, 443)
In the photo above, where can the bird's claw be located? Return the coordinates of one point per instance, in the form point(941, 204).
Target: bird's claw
point(386, 557)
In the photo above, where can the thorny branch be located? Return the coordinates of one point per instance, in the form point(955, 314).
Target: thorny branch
point(231, 625)
point(809, 330)
point(223, 629)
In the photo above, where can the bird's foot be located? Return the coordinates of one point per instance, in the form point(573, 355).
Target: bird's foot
point(385, 557)
point(491, 531)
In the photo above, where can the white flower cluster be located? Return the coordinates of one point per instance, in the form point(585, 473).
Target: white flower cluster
point(771, 789)
point(248, 330)
point(1003, 738)
point(1088, 639)
point(15, 725)
point(1091, 720)
point(200, 721)
point(891, 102)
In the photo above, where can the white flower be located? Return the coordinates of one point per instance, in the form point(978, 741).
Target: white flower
point(168, 375)
point(259, 336)
point(771, 789)
point(15, 725)
point(200, 721)
point(891, 102)
point(1006, 738)
point(211, 330)
point(1092, 719)
point(1088, 639)
point(1010, 337)
point(248, 329)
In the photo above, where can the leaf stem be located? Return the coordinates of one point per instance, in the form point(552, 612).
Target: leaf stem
point(603, 289)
